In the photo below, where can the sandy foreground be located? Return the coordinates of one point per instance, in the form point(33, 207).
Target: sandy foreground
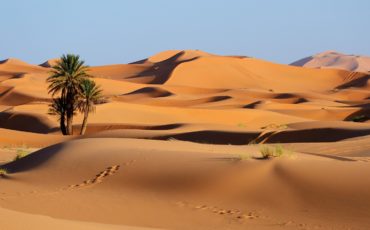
point(177, 143)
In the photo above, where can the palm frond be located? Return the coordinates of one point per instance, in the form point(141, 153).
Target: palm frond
point(89, 96)
point(67, 74)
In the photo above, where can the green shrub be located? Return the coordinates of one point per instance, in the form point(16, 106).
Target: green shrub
point(266, 152)
point(244, 156)
point(21, 153)
point(279, 151)
point(3, 172)
point(272, 151)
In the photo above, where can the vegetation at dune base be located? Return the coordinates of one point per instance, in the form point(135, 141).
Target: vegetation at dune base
point(267, 152)
point(21, 153)
point(73, 91)
point(272, 151)
point(3, 172)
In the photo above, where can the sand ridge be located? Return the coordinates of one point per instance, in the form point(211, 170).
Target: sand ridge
point(335, 60)
point(176, 144)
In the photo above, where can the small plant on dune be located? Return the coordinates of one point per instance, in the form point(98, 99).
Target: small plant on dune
point(3, 172)
point(272, 151)
point(279, 151)
point(266, 152)
point(21, 153)
point(245, 156)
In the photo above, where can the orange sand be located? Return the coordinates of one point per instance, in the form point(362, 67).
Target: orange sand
point(177, 145)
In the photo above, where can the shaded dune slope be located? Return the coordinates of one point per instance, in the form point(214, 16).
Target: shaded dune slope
point(303, 133)
point(25, 122)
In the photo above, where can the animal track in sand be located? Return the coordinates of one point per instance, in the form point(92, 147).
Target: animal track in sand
point(234, 213)
point(239, 215)
point(98, 178)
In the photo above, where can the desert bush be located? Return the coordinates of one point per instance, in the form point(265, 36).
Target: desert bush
point(3, 172)
point(266, 152)
point(279, 151)
point(21, 153)
point(244, 156)
point(272, 151)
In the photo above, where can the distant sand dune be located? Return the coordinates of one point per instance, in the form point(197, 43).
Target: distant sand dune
point(335, 60)
point(184, 86)
point(50, 63)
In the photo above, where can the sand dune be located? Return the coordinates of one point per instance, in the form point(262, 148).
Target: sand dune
point(20, 138)
point(16, 65)
point(176, 145)
point(43, 222)
point(13, 61)
point(188, 86)
point(26, 122)
point(335, 60)
point(207, 185)
point(49, 63)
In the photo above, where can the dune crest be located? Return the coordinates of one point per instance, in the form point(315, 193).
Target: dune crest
point(182, 55)
point(336, 60)
point(13, 61)
point(49, 63)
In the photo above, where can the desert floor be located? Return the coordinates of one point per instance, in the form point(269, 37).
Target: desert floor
point(177, 145)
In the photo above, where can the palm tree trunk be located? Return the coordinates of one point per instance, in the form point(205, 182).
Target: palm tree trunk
point(63, 125)
point(70, 125)
point(84, 122)
point(70, 111)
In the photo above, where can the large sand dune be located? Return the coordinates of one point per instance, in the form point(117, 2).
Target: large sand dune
point(176, 145)
point(335, 60)
point(181, 185)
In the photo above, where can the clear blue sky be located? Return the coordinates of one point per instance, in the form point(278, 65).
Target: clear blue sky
point(121, 31)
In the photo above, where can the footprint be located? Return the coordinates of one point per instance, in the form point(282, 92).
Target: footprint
point(234, 213)
point(98, 178)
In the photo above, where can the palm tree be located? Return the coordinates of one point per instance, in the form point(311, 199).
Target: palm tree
point(90, 94)
point(66, 77)
point(57, 108)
